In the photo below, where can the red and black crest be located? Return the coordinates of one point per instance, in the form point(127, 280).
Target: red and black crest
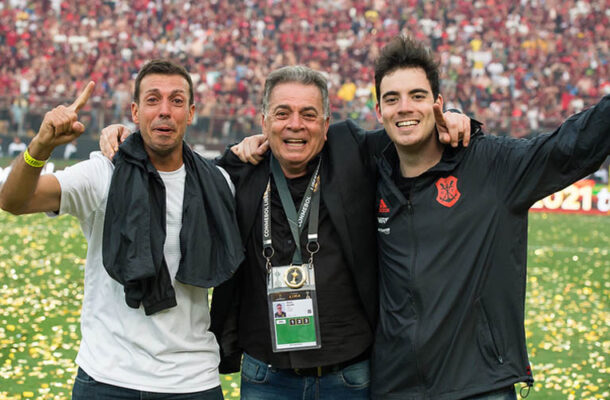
point(447, 191)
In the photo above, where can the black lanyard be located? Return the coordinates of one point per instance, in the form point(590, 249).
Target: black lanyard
point(310, 206)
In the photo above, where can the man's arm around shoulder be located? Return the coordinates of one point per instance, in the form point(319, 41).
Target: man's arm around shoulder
point(233, 165)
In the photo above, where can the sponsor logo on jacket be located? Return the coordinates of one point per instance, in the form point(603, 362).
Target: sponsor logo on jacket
point(385, 231)
point(383, 208)
point(382, 220)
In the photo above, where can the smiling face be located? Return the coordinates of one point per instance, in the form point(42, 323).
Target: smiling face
point(163, 113)
point(295, 126)
point(405, 109)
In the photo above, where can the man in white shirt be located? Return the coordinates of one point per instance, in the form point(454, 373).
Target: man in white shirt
point(16, 147)
point(161, 229)
point(70, 150)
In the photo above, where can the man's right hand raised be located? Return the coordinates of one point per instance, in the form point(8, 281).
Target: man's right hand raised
point(111, 137)
point(60, 126)
point(25, 190)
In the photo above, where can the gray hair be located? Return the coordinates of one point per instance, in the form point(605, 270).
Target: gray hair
point(299, 74)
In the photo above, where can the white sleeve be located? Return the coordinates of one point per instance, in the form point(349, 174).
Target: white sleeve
point(228, 179)
point(84, 185)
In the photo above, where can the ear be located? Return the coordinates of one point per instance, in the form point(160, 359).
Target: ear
point(326, 125)
point(378, 112)
point(191, 114)
point(134, 112)
point(263, 129)
point(439, 100)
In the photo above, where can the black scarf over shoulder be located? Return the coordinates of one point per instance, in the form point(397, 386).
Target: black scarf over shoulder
point(134, 228)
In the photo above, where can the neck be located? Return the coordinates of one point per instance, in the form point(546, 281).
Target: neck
point(414, 162)
point(294, 172)
point(166, 162)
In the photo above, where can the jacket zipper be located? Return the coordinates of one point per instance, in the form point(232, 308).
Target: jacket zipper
point(416, 341)
point(499, 357)
point(410, 208)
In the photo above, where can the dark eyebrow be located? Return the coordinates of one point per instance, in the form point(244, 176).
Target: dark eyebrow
point(414, 91)
point(173, 93)
point(310, 108)
point(419, 90)
point(280, 106)
point(287, 107)
point(390, 93)
point(178, 91)
point(152, 91)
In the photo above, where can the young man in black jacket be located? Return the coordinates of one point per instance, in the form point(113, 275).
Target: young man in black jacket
point(452, 236)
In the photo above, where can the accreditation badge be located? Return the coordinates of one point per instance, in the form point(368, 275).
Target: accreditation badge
point(293, 309)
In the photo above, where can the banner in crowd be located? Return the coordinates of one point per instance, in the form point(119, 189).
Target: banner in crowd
point(581, 197)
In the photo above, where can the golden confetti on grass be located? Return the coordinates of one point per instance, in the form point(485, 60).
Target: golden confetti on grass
point(567, 310)
point(41, 279)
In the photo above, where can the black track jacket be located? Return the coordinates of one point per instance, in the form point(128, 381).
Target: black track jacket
point(453, 259)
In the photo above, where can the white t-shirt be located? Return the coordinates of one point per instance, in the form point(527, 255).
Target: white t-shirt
point(171, 351)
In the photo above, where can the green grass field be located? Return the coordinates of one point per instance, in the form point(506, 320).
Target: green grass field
point(567, 316)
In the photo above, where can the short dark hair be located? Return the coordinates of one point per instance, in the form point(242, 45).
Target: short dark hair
point(405, 52)
point(163, 67)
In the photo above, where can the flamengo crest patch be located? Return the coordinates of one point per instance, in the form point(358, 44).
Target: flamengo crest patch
point(447, 191)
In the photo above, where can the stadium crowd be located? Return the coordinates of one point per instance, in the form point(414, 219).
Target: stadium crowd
point(518, 66)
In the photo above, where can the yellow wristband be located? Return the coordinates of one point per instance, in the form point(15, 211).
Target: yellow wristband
point(31, 161)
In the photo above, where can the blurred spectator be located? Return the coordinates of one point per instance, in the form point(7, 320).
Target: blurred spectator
point(121, 99)
point(16, 147)
point(70, 150)
point(520, 67)
point(18, 111)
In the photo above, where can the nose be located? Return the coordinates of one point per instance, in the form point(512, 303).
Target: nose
point(405, 105)
point(294, 121)
point(164, 108)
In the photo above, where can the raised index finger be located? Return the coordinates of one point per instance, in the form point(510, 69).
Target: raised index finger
point(439, 118)
point(83, 97)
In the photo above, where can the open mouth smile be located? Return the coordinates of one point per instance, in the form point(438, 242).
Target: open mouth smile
point(295, 142)
point(411, 122)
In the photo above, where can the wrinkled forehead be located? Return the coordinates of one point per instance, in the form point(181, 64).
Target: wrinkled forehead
point(294, 95)
point(164, 84)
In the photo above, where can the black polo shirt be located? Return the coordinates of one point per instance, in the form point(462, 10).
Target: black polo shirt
point(344, 329)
